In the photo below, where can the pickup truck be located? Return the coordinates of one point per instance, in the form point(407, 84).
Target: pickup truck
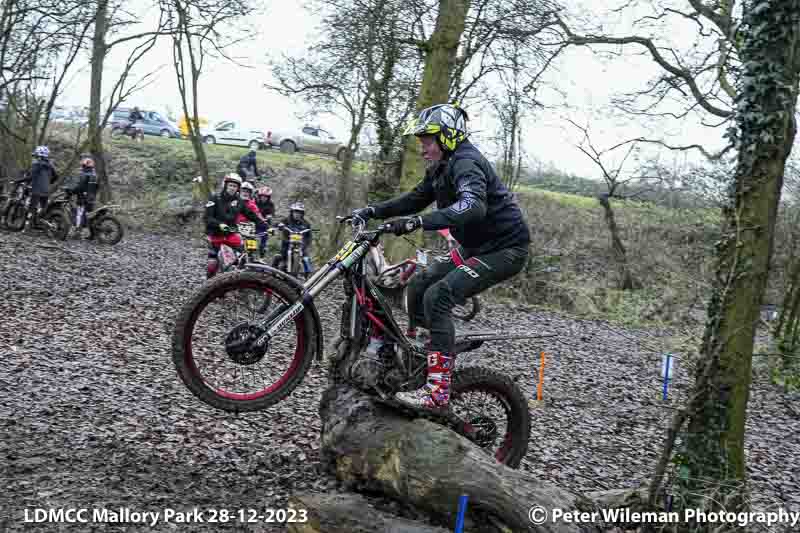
point(308, 139)
point(234, 133)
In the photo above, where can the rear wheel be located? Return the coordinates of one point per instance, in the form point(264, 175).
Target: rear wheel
point(57, 225)
point(495, 413)
point(288, 147)
point(212, 343)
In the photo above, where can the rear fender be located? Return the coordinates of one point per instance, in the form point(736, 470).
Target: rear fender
point(307, 299)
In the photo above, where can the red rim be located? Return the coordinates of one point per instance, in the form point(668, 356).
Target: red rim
point(189, 359)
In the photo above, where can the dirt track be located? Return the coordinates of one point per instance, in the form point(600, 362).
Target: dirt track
point(94, 415)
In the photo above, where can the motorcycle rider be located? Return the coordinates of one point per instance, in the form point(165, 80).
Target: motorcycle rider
point(222, 211)
point(267, 209)
point(133, 117)
point(296, 222)
point(247, 167)
point(86, 191)
point(42, 175)
point(481, 215)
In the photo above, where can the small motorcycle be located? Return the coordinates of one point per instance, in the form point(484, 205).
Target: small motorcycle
point(394, 279)
point(134, 132)
point(19, 215)
point(293, 262)
point(106, 228)
point(231, 259)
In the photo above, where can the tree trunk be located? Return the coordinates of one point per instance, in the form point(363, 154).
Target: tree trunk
point(627, 281)
point(193, 124)
point(713, 455)
point(440, 54)
point(95, 99)
point(373, 447)
point(348, 513)
point(441, 50)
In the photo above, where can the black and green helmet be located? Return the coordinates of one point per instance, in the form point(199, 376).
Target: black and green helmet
point(447, 121)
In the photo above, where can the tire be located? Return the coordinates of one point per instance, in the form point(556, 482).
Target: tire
point(166, 134)
point(15, 216)
point(254, 145)
point(499, 386)
point(295, 264)
point(209, 139)
point(182, 353)
point(340, 154)
point(116, 133)
point(61, 222)
point(467, 311)
point(118, 233)
point(288, 147)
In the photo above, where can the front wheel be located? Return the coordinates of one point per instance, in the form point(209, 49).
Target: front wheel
point(108, 229)
point(494, 411)
point(467, 311)
point(15, 216)
point(212, 344)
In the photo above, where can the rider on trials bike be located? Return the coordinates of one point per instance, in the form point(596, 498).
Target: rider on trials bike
point(481, 214)
point(222, 211)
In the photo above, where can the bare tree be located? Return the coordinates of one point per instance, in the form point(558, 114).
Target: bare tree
point(616, 187)
point(200, 29)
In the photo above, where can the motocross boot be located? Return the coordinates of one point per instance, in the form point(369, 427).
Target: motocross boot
point(435, 394)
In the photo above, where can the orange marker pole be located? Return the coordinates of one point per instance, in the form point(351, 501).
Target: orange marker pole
point(541, 380)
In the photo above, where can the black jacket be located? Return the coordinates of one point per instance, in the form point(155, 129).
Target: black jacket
point(296, 226)
point(471, 201)
point(86, 184)
point(135, 115)
point(42, 174)
point(266, 207)
point(248, 162)
point(222, 209)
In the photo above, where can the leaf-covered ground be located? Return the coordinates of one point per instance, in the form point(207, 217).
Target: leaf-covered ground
point(94, 416)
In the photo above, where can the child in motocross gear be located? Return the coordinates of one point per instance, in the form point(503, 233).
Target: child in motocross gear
point(247, 165)
point(86, 191)
point(481, 215)
point(267, 209)
point(42, 175)
point(246, 194)
point(222, 210)
point(296, 222)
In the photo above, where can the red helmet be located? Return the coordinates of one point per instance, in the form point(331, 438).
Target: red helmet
point(264, 191)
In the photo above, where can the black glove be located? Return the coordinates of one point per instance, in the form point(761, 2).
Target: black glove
point(364, 213)
point(404, 225)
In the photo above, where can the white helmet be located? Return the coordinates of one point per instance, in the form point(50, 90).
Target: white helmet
point(42, 151)
point(298, 206)
point(248, 186)
point(232, 177)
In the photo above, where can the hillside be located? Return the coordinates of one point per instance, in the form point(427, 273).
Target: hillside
point(669, 249)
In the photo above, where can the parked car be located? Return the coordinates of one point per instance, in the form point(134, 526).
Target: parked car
point(153, 123)
point(234, 133)
point(308, 139)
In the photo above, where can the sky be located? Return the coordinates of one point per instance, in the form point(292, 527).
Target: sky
point(231, 91)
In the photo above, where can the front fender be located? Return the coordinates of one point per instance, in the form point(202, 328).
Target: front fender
point(296, 284)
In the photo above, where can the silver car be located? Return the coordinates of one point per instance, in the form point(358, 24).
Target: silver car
point(308, 139)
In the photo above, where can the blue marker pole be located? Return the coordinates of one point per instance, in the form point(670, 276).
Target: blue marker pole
point(667, 365)
point(462, 509)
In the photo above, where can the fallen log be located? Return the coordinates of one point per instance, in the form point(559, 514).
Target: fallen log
point(349, 513)
point(371, 446)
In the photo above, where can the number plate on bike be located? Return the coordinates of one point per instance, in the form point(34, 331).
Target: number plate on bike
point(295, 237)
point(251, 244)
point(422, 257)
